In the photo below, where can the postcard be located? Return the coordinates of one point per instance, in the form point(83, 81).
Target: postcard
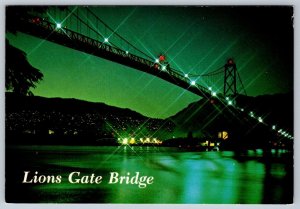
point(149, 104)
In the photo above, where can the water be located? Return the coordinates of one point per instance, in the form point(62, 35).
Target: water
point(178, 176)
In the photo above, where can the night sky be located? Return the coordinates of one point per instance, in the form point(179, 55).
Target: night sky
point(195, 40)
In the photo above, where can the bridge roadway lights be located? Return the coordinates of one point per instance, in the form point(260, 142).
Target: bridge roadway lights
point(82, 43)
point(58, 25)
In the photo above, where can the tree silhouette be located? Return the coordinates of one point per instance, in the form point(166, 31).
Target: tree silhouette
point(20, 75)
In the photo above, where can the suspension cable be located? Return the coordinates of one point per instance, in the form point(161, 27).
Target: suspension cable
point(215, 72)
point(242, 83)
point(115, 33)
point(83, 22)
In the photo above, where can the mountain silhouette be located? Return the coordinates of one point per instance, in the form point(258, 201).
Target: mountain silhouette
point(90, 121)
point(16, 102)
point(206, 118)
point(60, 119)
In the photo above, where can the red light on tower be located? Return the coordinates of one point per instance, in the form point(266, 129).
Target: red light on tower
point(230, 61)
point(162, 58)
point(36, 20)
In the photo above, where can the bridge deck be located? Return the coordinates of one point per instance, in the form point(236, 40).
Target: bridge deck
point(47, 30)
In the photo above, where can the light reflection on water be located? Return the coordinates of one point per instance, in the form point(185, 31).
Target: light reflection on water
point(179, 177)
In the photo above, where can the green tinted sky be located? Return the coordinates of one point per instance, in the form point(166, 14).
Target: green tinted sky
point(194, 39)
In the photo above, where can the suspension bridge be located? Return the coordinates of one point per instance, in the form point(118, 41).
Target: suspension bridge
point(81, 29)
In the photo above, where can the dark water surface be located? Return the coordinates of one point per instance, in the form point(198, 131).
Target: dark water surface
point(178, 176)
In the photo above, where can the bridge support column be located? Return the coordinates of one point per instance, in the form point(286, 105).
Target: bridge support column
point(230, 79)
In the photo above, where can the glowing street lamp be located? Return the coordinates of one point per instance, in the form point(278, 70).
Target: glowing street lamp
point(214, 94)
point(193, 83)
point(105, 40)
point(229, 102)
point(260, 119)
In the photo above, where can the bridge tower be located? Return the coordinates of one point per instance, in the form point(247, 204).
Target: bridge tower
point(230, 79)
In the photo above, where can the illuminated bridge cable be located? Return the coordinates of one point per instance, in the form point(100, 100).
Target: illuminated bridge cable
point(217, 71)
point(89, 27)
point(172, 72)
point(115, 33)
point(212, 73)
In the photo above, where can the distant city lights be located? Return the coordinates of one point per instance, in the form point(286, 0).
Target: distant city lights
point(132, 141)
point(125, 141)
point(141, 141)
